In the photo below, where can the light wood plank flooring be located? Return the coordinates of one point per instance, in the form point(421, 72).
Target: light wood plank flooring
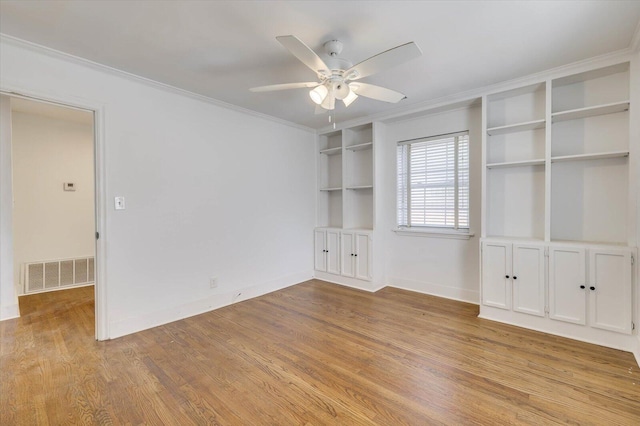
point(312, 354)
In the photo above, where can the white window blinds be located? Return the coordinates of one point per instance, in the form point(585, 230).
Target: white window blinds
point(433, 182)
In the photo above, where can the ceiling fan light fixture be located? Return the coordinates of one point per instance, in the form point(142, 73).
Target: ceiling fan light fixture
point(348, 100)
point(341, 90)
point(318, 94)
point(329, 102)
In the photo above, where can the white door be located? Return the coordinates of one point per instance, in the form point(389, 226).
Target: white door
point(348, 255)
point(528, 279)
point(363, 253)
point(333, 251)
point(496, 274)
point(320, 255)
point(610, 290)
point(568, 284)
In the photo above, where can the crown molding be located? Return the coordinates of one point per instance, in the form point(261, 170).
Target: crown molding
point(57, 54)
point(457, 100)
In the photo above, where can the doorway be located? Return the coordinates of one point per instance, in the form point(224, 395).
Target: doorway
point(54, 205)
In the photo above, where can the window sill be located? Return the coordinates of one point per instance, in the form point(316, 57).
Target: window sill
point(434, 233)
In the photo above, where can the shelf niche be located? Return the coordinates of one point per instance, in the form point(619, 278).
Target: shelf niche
point(515, 202)
point(516, 108)
point(589, 200)
point(345, 178)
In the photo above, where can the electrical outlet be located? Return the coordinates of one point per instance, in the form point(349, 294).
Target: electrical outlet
point(213, 282)
point(119, 203)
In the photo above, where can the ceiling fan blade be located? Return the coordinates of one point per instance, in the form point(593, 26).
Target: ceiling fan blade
point(304, 54)
point(382, 61)
point(284, 86)
point(376, 92)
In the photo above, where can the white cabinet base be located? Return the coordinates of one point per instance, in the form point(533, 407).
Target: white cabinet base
point(348, 281)
point(583, 333)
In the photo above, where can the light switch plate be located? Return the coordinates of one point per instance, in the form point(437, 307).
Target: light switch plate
point(119, 203)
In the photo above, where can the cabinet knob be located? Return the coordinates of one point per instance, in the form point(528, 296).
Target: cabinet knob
point(356, 255)
point(351, 254)
point(506, 276)
point(592, 288)
point(515, 278)
point(582, 287)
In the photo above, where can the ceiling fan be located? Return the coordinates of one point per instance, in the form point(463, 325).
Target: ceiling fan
point(339, 78)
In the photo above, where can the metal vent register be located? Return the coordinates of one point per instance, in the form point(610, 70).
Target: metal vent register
point(53, 274)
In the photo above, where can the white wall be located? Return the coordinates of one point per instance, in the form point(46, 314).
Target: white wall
point(8, 294)
point(439, 266)
point(209, 191)
point(49, 223)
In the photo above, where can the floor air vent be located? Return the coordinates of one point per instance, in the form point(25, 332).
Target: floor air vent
point(54, 274)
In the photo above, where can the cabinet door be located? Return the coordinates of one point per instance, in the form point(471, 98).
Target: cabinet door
point(610, 290)
point(348, 251)
point(363, 254)
point(496, 275)
point(333, 251)
point(320, 256)
point(567, 284)
point(528, 279)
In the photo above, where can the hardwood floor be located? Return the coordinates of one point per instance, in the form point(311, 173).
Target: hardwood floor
point(312, 354)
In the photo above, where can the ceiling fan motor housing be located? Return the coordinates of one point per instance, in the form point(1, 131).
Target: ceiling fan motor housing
point(333, 47)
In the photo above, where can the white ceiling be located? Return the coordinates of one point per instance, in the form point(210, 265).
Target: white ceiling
point(222, 48)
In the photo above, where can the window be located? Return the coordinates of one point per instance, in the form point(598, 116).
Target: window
point(433, 182)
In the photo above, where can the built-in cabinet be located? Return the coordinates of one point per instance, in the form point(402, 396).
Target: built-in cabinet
point(591, 287)
point(558, 203)
point(346, 198)
point(327, 250)
point(355, 255)
point(513, 276)
point(343, 253)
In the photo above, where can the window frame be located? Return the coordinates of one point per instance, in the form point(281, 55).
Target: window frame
point(454, 231)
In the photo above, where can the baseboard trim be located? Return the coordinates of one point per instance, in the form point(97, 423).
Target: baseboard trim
point(368, 286)
point(9, 312)
point(636, 352)
point(131, 325)
point(439, 290)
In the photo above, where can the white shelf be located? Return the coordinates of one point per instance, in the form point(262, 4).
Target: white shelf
point(360, 146)
point(595, 156)
point(512, 238)
point(331, 189)
point(537, 162)
point(591, 243)
point(331, 151)
point(518, 127)
point(592, 111)
point(360, 187)
point(590, 75)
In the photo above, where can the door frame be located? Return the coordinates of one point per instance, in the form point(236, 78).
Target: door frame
point(100, 194)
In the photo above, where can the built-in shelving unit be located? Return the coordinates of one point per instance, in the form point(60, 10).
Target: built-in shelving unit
point(515, 162)
point(346, 178)
point(343, 236)
point(330, 202)
point(589, 177)
point(558, 205)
